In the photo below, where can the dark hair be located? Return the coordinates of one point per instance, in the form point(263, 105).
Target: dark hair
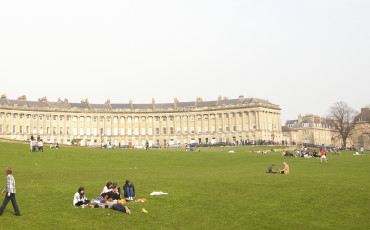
point(80, 190)
point(9, 170)
point(109, 184)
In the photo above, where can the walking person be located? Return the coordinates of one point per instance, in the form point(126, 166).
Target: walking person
point(10, 193)
point(323, 156)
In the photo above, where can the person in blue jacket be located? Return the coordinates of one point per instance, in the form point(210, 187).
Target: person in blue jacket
point(129, 190)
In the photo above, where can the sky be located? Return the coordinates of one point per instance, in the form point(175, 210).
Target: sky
point(301, 55)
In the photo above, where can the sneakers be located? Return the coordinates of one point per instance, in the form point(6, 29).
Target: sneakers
point(127, 210)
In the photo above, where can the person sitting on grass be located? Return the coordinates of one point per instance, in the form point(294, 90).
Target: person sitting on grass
point(129, 190)
point(118, 207)
point(79, 198)
point(106, 189)
point(270, 170)
point(286, 169)
point(112, 194)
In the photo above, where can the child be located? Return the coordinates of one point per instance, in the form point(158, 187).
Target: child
point(10, 195)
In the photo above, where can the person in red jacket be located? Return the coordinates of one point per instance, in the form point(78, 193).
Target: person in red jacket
point(323, 156)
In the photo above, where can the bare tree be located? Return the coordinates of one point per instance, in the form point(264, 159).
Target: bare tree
point(341, 118)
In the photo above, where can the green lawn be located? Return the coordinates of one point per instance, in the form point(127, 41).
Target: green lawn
point(210, 189)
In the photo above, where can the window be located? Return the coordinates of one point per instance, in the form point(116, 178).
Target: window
point(101, 131)
point(219, 116)
point(142, 131)
point(206, 129)
point(95, 119)
point(95, 131)
point(164, 118)
point(199, 130)
point(240, 115)
point(28, 116)
point(34, 117)
point(129, 131)
point(150, 131)
point(41, 117)
point(61, 130)
point(206, 117)
point(156, 118)
point(14, 128)
point(136, 131)
point(171, 130)
point(115, 119)
point(178, 118)
point(142, 118)
point(68, 131)
point(129, 119)
point(136, 119)
point(88, 119)
point(226, 115)
point(68, 117)
point(213, 129)
point(74, 131)
point(115, 131)
point(227, 129)
point(192, 130)
point(20, 129)
point(108, 119)
point(178, 131)
point(108, 132)
point(150, 119)
point(48, 117)
point(185, 118)
point(88, 131)
point(28, 129)
point(61, 118)
point(220, 129)
point(199, 117)
point(55, 117)
point(75, 118)
point(164, 130)
point(81, 131)
point(122, 119)
point(164, 142)
point(14, 115)
point(192, 118)
point(54, 130)
point(171, 118)
point(212, 116)
point(157, 131)
point(233, 115)
point(234, 128)
point(185, 130)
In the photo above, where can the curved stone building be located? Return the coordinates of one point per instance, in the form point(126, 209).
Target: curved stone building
point(222, 120)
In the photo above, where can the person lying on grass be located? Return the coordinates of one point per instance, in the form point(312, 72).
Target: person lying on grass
point(118, 207)
point(79, 198)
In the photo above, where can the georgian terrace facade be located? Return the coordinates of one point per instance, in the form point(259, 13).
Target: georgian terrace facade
point(222, 120)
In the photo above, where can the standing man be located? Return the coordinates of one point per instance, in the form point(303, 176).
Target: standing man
point(323, 156)
point(40, 145)
point(146, 145)
point(10, 193)
point(362, 150)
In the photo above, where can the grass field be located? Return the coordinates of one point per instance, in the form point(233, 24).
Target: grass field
point(209, 189)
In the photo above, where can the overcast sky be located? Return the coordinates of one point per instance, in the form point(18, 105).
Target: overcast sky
point(302, 55)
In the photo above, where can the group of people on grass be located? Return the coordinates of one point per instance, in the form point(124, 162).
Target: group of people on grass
point(109, 196)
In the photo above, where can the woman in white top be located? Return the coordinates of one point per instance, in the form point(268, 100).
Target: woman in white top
point(106, 189)
point(79, 197)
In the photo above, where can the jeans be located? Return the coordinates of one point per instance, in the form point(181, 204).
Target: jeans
point(6, 200)
point(130, 192)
